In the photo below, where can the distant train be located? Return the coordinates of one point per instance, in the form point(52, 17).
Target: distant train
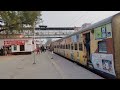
point(96, 47)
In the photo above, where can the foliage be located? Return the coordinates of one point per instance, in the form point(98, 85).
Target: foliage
point(16, 20)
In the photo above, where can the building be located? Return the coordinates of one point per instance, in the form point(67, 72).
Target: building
point(16, 44)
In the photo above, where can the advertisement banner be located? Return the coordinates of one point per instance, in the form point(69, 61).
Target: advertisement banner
point(103, 62)
point(98, 33)
point(103, 32)
point(74, 38)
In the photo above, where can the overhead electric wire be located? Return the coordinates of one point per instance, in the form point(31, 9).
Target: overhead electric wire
point(75, 17)
point(96, 19)
point(78, 19)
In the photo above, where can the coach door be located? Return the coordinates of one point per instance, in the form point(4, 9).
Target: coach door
point(87, 46)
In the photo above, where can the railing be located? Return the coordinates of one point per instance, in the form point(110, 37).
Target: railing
point(48, 36)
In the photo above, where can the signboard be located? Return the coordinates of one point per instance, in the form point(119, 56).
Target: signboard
point(98, 34)
point(14, 42)
point(103, 62)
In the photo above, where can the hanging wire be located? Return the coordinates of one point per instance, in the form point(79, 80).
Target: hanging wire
point(79, 18)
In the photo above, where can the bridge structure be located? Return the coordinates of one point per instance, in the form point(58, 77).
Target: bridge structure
point(49, 32)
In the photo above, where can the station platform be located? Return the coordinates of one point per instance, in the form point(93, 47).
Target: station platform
point(22, 67)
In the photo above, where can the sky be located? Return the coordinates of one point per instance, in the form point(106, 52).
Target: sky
point(73, 18)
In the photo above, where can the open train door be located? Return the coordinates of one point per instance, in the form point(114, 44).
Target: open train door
point(87, 48)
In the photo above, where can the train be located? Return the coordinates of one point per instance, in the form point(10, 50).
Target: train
point(96, 47)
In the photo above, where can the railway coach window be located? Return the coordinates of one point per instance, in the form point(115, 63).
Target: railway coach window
point(66, 46)
point(60, 46)
point(75, 46)
point(63, 46)
point(102, 47)
point(80, 47)
point(71, 46)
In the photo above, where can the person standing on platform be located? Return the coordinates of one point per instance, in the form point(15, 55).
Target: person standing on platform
point(42, 48)
point(52, 52)
point(6, 51)
point(38, 50)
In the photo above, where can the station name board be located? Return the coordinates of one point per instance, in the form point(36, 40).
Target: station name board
point(14, 42)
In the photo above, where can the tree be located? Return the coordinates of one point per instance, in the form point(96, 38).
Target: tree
point(11, 20)
point(29, 18)
point(16, 20)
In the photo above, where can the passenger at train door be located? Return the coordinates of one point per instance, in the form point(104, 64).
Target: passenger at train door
point(87, 45)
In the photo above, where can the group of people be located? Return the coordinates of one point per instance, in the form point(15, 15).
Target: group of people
point(41, 49)
point(1, 52)
point(4, 51)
